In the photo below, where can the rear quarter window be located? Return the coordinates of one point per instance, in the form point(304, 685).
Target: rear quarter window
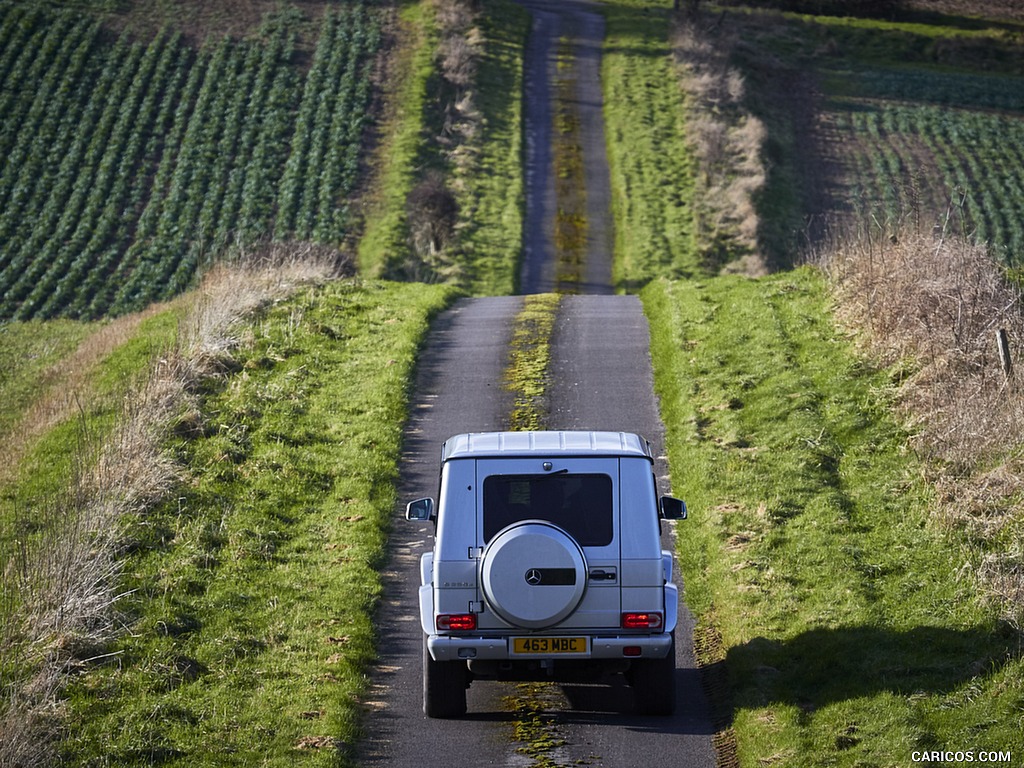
point(579, 504)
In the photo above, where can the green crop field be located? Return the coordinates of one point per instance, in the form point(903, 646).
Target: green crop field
point(128, 165)
point(907, 150)
point(890, 120)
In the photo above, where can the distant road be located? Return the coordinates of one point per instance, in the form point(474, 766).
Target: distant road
point(581, 23)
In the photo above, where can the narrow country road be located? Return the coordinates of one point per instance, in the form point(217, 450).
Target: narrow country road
point(600, 378)
point(578, 26)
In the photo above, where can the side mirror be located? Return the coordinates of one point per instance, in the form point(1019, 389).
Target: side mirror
point(421, 509)
point(673, 509)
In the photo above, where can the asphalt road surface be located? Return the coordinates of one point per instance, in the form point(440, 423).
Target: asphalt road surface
point(579, 22)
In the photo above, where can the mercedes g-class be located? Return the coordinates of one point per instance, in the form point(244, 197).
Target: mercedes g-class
point(547, 565)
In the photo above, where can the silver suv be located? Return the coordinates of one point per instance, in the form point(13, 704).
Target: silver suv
point(547, 565)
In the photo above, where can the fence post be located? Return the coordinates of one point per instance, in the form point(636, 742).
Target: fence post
point(1003, 342)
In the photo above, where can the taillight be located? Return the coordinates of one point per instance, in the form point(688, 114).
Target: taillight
point(641, 620)
point(456, 622)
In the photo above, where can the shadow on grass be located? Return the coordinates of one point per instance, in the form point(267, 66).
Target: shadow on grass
point(824, 666)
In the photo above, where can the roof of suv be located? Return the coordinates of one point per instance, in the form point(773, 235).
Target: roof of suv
point(508, 444)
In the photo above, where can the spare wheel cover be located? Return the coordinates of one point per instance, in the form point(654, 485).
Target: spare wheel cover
point(533, 574)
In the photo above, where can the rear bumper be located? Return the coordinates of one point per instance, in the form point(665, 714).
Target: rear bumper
point(464, 648)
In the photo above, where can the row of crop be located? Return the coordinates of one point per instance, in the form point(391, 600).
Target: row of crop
point(323, 163)
point(100, 220)
point(240, 100)
point(940, 88)
point(975, 155)
point(172, 214)
point(86, 203)
point(19, 32)
point(42, 105)
point(126, 166)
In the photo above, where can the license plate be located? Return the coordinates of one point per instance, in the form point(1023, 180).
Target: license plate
point(547, 645)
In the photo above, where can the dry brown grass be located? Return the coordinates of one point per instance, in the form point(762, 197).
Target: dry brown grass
point(938, 302)
point(67, 384)
point(727, 141)
point(59, 588)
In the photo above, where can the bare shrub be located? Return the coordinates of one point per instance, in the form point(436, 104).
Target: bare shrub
point(461, 44)
point(432, 211)
point(458, 60)
point(58, 591)
point(939, 301)
point(454, 14)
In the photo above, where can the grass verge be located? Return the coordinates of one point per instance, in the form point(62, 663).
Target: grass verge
point(384, 243)
point(491, 194)
point(651, 165)
point(469, 136)
point(250, 590)
point(846, 627)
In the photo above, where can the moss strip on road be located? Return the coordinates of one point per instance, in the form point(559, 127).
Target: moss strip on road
point(529, 356)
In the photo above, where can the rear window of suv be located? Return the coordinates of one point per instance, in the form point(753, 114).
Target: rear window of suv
point(579, 504)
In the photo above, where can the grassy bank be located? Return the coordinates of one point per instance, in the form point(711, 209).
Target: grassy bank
point(464, 138)
point(843, 619)
point(65, 393)
point(652, 169)
point(27, 353)
point(248, 593)
point(61, 408)
point(384, 243)
point(492, 187)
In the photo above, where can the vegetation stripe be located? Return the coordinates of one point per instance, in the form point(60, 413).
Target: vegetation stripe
point(529, 356)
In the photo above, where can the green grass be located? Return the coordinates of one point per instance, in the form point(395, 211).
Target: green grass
point(48, 468)
point(27, 351)
point(252, 589)
point(384, 244)
point(851, 633)
point(652, 170)
point(493, 198)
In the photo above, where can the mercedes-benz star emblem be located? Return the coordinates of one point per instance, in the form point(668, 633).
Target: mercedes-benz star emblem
point(533, 576)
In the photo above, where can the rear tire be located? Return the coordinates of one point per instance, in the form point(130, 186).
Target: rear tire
point(444, 687)
point(654, 684)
